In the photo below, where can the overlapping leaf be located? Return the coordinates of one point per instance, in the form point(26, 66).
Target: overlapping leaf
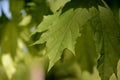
point(85, 48)
point(111, 47)
point(61, 32)
point(86, 51)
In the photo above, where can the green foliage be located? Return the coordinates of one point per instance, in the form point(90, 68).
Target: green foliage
point(68, 25)
point(73, 36)
point(56, 4)
point(3, 76)
point(110, 53)
point(9, 38)
point(85, 49)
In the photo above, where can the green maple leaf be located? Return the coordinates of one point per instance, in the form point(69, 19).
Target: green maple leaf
point(110, 54)
point(61, 32)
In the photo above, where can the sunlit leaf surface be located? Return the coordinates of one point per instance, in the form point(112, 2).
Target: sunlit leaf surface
point(62, 33)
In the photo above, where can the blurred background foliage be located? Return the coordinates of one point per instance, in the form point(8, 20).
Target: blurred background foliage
point(18, 19)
